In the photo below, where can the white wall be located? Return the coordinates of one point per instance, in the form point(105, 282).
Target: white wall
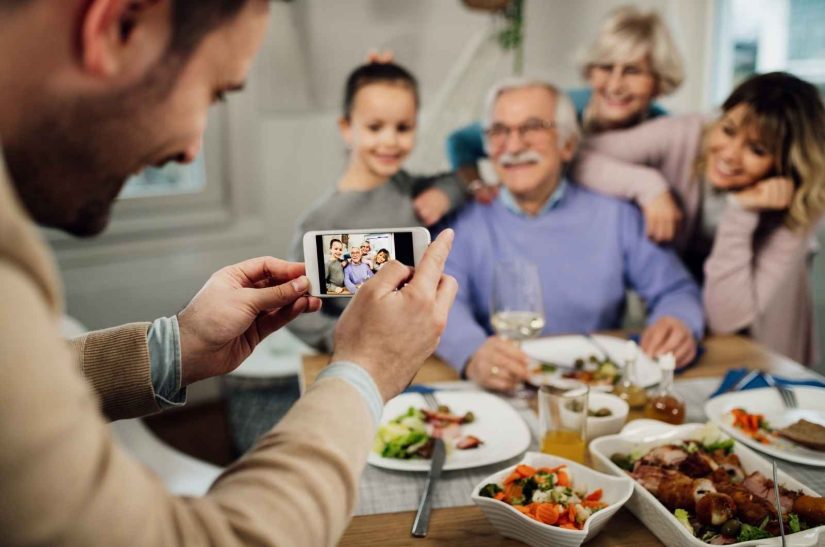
point(280, 148)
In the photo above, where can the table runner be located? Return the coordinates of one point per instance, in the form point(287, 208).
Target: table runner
point(385, 491)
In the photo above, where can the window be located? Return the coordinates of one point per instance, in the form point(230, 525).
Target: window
point(169, 180)
point(756, 36)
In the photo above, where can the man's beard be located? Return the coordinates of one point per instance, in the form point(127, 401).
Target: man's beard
point(71, 160)
point(62, 166)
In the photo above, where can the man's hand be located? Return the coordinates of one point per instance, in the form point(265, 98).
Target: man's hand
point(773, 194)
point(394, 322)
point(238, 307)
point(431, 205)
point(662, 217)
point(669, 334)
point(498, 364)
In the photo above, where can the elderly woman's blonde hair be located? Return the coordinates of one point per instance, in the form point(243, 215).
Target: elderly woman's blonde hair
point(629, 34)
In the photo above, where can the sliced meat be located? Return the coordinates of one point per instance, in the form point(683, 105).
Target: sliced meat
point(749, 507)
point(467, 442)
point(762, 486)
point(810, 509)
point(669, 455)
point(697, 465)
point(805, 433)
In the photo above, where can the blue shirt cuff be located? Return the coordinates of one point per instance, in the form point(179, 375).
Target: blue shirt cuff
point(362, 381)
point(164, 357)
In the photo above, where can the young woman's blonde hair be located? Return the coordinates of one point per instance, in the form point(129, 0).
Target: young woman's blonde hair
point(629, 34)
point(790, 118)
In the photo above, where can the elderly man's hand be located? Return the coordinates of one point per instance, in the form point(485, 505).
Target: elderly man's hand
point(395, 321)
point(662, 217)
point(431, 205)
point(669, 334)
point(498, 364)
point(238, 307)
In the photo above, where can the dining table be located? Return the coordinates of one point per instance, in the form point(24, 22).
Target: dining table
point(387, 500)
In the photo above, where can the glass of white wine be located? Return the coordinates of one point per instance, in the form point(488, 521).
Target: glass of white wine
point(517, 307)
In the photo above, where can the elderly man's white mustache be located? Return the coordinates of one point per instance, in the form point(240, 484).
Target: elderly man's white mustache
point(528, 156)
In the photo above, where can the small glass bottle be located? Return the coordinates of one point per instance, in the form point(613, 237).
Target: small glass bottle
point(633, 394)
point(665, 404)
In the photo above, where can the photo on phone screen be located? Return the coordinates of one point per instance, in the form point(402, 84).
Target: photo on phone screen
point(348, 260)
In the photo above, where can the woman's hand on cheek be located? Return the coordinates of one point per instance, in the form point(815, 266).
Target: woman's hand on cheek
point(773, 194)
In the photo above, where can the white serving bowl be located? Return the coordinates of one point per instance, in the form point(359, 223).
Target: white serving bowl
point(643, 435)
point(607, 425)
point(511, 523)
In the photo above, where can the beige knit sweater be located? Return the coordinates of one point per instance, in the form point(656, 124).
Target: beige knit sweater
point(65, 481)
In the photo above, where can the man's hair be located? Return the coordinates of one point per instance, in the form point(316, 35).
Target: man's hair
point(192, 20)
point(565, 115)
point(376, 73)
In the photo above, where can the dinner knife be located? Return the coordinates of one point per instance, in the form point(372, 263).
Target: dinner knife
point(422, 516)
point(778, 505)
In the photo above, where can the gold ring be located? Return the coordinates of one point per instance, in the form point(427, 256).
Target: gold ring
point(495, 370)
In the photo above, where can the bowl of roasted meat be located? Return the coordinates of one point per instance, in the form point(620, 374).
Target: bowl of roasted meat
point(695, 486)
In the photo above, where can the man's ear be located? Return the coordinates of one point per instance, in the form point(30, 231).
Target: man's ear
point(568, 151)
point(118, 37)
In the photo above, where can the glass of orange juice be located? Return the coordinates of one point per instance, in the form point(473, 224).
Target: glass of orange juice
point(563, 419)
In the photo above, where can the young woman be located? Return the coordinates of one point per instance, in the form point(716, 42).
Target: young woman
point(751, 186)
point(378, 126)
point(381, 258)
point(632, 61)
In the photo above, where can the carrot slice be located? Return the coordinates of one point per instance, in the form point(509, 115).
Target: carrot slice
point(547, 513)
point(500, 496)
point(595, 495)
point(562, 479)
point(525, 470)
point(512, 477)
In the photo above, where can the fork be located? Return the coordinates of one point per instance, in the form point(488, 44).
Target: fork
point(787, 394)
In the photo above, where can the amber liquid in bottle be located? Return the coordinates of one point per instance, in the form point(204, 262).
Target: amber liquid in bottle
point(665, 405)
point(633, 394)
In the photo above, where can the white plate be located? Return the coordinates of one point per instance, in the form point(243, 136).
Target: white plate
point(566, 349)
point(503, 431)
point(767, 401)
point(646, 434)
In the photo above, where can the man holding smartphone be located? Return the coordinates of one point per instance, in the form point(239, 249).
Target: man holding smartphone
point(83, 84)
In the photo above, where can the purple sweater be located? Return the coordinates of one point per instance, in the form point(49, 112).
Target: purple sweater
point(355, 275)
point(589, 248)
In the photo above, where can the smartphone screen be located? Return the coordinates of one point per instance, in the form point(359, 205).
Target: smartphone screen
point(348, 260)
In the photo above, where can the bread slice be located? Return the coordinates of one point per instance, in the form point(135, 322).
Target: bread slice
point(805, 433)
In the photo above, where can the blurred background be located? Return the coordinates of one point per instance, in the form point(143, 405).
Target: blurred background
point(270, 151)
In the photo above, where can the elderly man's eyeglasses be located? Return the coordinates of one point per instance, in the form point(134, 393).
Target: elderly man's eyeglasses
point(530, 132)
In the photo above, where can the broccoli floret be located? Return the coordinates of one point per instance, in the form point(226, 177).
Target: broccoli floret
point(490, 490)
point(793, 523)
point(749, 532)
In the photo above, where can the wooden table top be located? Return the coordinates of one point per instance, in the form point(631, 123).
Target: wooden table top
point(469, 526)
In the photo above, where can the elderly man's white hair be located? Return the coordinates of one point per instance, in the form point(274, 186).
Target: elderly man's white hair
point(566, 121)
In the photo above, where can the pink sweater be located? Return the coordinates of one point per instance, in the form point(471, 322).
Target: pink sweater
point(755, 269)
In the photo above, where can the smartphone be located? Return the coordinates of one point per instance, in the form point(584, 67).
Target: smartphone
point(339, 262)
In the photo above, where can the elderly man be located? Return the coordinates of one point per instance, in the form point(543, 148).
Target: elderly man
point(589, 248)
point(357, 273)
point(90, 92)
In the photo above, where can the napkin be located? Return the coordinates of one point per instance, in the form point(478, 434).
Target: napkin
point(735, 374)
point(700, 350)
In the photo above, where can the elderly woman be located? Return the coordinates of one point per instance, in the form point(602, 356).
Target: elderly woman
point(752, 187)
point(632, 61)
